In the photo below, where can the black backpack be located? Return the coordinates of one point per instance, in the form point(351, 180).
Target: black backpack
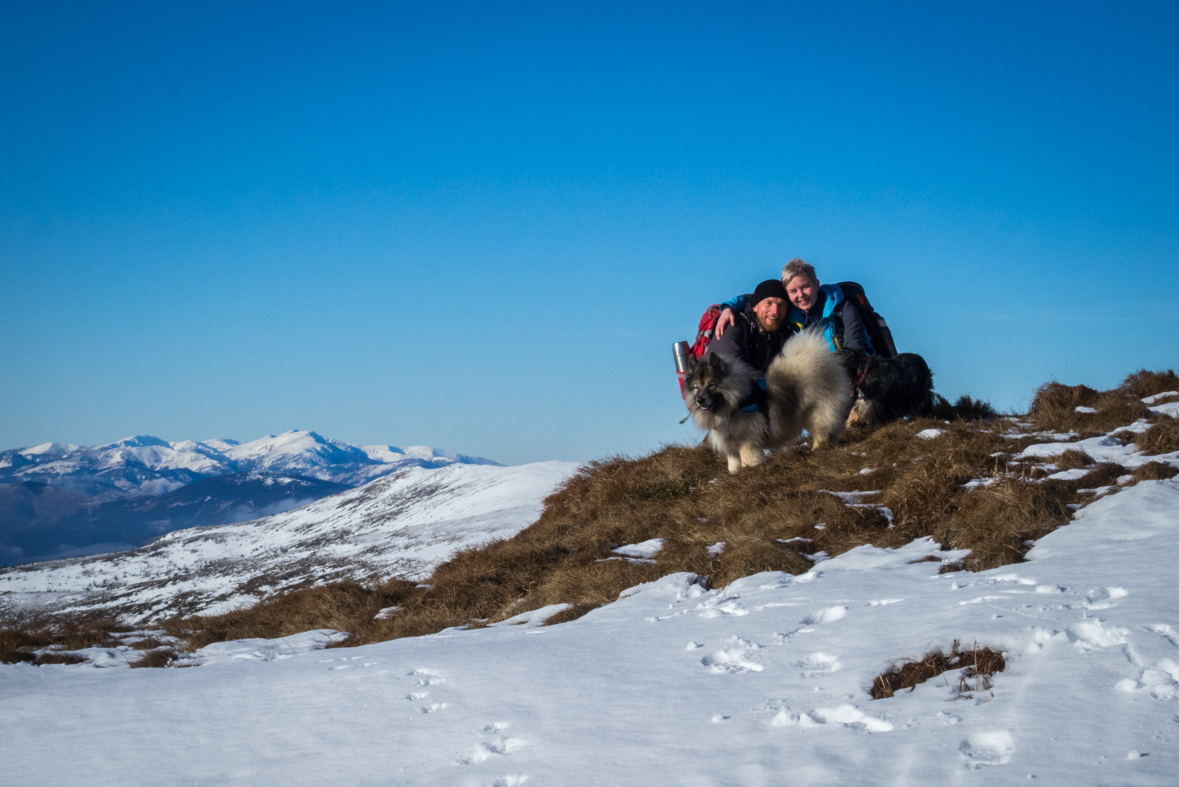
point(878, 332)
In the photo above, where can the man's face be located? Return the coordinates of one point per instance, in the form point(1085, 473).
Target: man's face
point(803, 291)
point(771, 313)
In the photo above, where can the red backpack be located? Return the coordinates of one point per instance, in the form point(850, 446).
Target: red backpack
point(706, 330)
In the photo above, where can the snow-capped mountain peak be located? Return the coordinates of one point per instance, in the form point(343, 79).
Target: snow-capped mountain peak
point(147, 465)
point(49, 449)
point(139, 441)
point(296, 449)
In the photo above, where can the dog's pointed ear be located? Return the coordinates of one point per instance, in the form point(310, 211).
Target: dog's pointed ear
point(717, 363)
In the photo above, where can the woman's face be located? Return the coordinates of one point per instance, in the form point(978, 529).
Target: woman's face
point(802, 291)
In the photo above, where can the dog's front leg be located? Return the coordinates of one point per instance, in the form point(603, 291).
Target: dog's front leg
point(734, 463)
point(863, 413)
point(751, 456)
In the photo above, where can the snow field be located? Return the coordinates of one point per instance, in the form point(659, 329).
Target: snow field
point(763, 682)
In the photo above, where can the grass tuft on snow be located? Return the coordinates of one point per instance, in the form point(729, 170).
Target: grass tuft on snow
point(977, 665)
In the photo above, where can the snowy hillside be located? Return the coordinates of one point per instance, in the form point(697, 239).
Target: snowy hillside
point(119, 525)
point(763, 682)
point(146, 465)
point(59, 501)
point(402, 524)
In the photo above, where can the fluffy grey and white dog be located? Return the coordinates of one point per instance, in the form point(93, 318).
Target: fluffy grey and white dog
point(807, 388)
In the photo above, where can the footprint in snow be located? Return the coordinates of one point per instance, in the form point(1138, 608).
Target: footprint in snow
point(729, 607)
point(845, 715)
point(426, 677)
point(1166, 632)
point(500, 747)
point(510, 781)
point(731, 661)
point(814, 665)
point(1091, 633)
point(1104, 598)
point(826, 615)
point(993, 747)
point(433, 708)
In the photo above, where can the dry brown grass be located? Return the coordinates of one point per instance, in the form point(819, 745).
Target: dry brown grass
point(1161, 438)
point(1073, 459)
point(968, 408)
point(338, 606)
point(43, 644)
point(1142, 383)
point(1055, 405)
point(1104, 474)
point(158, 657)
point(1155, 471)
point(979, 663)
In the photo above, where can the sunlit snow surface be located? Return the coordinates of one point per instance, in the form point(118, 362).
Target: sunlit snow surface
point(764, 682)
point(400, 525)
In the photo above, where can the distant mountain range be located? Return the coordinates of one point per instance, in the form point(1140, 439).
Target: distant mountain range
point(59, 500)
point(401, 525)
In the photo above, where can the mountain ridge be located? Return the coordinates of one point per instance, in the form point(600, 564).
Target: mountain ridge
point(60, 500)
point(148, 465)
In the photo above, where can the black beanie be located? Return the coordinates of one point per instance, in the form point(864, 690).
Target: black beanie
point(770, 288)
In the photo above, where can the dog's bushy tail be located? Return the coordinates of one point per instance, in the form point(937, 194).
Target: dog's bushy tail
point(809, 389)
point(805, 355)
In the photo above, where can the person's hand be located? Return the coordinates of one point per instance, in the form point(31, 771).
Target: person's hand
point(724, 321)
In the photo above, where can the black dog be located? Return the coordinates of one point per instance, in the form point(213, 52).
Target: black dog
point(888, 388)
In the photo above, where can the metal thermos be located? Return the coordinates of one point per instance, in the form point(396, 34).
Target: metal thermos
point(682, 352)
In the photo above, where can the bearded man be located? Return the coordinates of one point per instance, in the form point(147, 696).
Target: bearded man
point(756, 336)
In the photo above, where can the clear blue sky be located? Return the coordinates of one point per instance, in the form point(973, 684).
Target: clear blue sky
point(481, 226)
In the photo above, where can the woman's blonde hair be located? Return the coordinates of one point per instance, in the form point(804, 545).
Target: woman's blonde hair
point(796, 267)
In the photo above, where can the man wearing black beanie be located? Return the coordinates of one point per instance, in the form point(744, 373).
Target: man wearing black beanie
point(757, 334)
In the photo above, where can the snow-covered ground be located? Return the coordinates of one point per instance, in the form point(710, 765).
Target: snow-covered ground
point(764, 682)
point(400, 525)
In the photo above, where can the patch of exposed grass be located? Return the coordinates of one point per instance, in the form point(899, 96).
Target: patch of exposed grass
point(1054, 406)
point(158, 657)
point(1155, 471)
point(1161, 438)
point(997, 522)
point(1104, 474)
point(1142, 383)
point(978, 664)
point(968, 408)
point(340, 606)
point(1073, 459)
point(43, 644)
point(572, 613)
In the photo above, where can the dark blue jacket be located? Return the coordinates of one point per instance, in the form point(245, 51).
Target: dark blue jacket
point(838, 317)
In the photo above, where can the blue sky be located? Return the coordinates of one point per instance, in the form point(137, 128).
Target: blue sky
point(481, 226)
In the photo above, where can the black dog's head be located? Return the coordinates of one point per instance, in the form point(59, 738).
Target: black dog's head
point(704, 387)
